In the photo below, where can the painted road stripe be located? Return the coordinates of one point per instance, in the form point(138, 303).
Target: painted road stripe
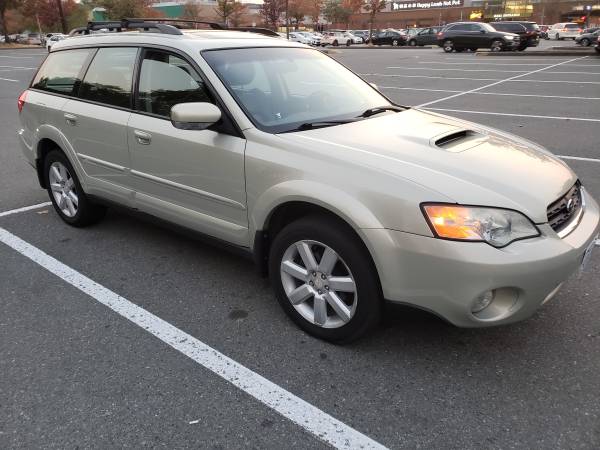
point(509, 80)
point(501, 81)
point(24, 209)
point(489, 93)
point(8, 79)
point(310, 418)
point(579, 158)
point(509, 114)
point(488, 70)
point(501, 64)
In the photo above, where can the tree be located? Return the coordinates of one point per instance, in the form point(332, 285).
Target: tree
point(271, 10)
point(373, 7)
point(314, 11)
point(353, 6)
point(335, 12)
point(297, 9)
point(4, 5)
point(191, 11)
point(61, 13)
point(119, 9)
point(47, 14)
point(238, 13)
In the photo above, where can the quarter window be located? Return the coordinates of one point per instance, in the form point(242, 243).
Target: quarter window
point(166, 80)
point(60, 71)
point(108, 79)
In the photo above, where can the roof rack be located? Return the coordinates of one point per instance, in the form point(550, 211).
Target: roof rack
point(161, 25)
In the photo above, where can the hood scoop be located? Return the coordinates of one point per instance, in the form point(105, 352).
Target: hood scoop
point(457, 140)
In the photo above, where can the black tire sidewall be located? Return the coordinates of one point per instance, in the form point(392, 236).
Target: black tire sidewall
point(347, 245)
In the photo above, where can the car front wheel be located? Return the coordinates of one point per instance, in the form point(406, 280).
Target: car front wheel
point(585, 42)
point(497, 46)
point(66, 194)
point(448, 46)
point(324, 279)
point(412, 43)
point(395, 43)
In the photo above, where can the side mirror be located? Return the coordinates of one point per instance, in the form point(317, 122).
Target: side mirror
point(194, 116)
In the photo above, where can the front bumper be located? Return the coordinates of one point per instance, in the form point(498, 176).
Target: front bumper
point(446, 277)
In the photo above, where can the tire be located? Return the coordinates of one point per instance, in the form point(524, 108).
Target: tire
point(395, 43)
point(348, 43)
point(412, 43)
point(585, 42)
point(473, 49)
point(335, 43)
point(448, 46)
point(557, 37)
point(63, 185)
point(597, 48)
point(361, 308)
point(497, 46)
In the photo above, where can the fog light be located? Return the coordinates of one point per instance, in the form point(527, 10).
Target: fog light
point(483, 301)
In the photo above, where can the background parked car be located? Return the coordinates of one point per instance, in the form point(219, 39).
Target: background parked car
point(34, 39)
point(427, 36)
point(460, 36)
point(299, 37)
point(544, 31)
point(54, 39)
point(394, 38)
point(356, 39)
point(589, 30)
point(336, 38)
point(527, 31)
point(587, 39)
point(562, 30)
point(363, 34)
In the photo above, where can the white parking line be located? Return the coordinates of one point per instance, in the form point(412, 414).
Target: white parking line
point(320, 424)
point(507, 80)
point(501, 81)
point(24, 209)
point(18, 67)
point(582, 119)
point(15, 57)
point(580, 158)
point(487, 70)
point(490, 93)
point(502, 64)
point(8, 79)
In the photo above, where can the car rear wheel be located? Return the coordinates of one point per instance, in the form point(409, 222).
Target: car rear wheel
point(557, 36)
point(324, 279)
point(497, 46)
point(448, 46)
point(348, 42)
point(66, 194)
point(335, 43)
point(585, 42)
point(473, 49)
point(412, 43)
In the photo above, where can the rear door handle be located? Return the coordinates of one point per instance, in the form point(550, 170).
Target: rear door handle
point(142, 137)
point(71, 119)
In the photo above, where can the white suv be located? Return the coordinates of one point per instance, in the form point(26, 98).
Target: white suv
point(560, 31)
point(343, 197)
point(336, 38)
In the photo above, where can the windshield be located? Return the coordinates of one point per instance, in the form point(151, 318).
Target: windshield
point(283, 88)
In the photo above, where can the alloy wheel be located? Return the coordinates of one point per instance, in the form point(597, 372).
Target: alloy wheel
point(63, 189)
point(318, 284)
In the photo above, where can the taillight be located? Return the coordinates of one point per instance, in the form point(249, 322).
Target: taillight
point(440, 34)
point(21, 101)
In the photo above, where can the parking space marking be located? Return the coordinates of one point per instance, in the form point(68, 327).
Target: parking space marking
point(8, 79)
point(17, 67)
point(510, 114)
point(313, 420)
point(488, 70)
point(490, 93)
point(15, 57)
point(482, 63)
point(501, 81)
point(579, 158)
point(508, 80)
point(24, 209)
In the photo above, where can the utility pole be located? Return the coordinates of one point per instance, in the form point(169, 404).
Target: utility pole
point(287, 20)
point(63, 22)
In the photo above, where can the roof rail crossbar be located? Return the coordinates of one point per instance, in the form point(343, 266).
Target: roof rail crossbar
point(212, 25)
point(126, 24)
point(258, 30)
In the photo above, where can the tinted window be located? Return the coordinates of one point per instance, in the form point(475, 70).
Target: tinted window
point(572, 26)
point(108, 79)
point(461, 27)
point(165, 80)
point(60, 71)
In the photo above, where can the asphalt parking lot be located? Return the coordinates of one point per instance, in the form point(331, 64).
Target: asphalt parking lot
point(91, 370)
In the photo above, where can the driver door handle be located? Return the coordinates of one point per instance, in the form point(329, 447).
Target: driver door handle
point(142, 137)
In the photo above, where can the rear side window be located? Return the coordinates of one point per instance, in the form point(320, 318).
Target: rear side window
point(166, 80)
point(572, 26)
point(109, 77)
point(461, 27)
point(60, 72)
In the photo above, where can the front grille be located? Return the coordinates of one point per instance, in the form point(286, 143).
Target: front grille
point(566, 209)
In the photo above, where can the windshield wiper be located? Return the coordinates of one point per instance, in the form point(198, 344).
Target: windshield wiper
point(379, 109)
point(322, 124)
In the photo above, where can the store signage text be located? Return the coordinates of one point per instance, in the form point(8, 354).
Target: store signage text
point(398, 6)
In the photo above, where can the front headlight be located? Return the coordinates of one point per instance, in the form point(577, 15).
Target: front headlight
point(498, 227)
point(510, 38)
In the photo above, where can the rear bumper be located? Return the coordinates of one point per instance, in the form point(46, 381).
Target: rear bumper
point(446, 277)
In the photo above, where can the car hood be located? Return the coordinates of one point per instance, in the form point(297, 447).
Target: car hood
point(467, 163)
